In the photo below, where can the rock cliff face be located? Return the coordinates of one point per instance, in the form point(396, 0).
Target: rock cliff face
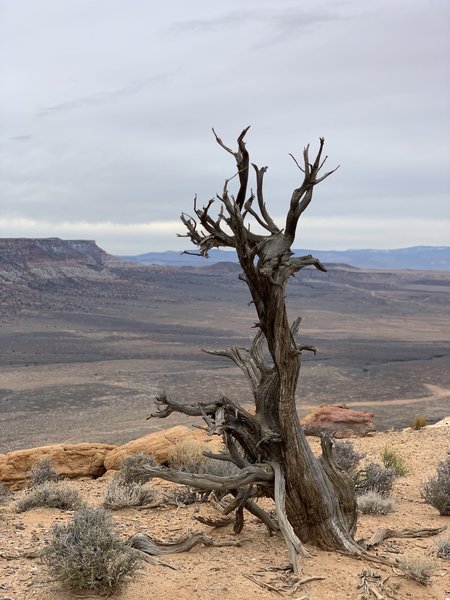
point(30, 267)
point(25, 260)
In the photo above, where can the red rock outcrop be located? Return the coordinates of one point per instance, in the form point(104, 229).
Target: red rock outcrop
point(159, 444)
point(69, 460)
point(339, 420)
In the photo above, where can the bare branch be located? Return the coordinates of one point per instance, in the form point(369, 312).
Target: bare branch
point(253, 474)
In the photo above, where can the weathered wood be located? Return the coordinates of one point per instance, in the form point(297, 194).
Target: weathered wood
point(385, 533)
point(154, 547)
point(315, 502)
point(256, 474)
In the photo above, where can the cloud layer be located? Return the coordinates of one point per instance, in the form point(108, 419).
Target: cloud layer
point(108, 108)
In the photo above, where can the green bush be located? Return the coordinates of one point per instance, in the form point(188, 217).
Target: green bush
point(436, 490)
point(43, 471)
point(87, 554)
point(394, 462)
point(52, 494)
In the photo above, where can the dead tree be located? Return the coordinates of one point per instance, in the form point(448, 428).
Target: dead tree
point(315, 499)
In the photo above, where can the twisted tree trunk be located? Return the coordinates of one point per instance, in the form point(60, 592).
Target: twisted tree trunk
point(315, 499)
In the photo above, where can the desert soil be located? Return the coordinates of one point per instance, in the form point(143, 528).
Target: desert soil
point(224, 572)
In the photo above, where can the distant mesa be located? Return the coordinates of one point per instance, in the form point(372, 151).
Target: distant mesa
point(427, 258)
point(31, 261)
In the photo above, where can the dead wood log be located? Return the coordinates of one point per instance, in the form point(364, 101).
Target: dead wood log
point(154, 547)
point(385, 533)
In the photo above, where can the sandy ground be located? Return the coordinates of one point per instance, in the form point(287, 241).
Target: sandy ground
point(207, 573)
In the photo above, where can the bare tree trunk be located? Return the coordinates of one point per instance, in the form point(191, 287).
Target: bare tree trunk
point(315, 496)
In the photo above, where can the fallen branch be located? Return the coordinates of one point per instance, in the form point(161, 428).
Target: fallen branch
point(153, 547)
point(385, 533)
point(214, 522)
point(263, 584)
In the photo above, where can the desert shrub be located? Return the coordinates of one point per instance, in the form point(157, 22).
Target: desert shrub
point(394, 462)
point(87, 554)
point(373, 503)
point(436, 490)
point(52, 494)
point(131, 468)
point(43, 471)
point(182, 496)
point(5, 494)
point(345, 456)
point(443, 548)
point(187, 455)
point(417, 568)
point(374, 478)
point(125, 495)
point(419, 422)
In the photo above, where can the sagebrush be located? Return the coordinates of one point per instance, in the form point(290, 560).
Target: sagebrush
point(374, 478)
point(372, 503)
point(436, 490)
point(43, 471)
point(120, 494)
point(88, 555)
point(418, 568)
point(345, 456)
point(52, 494)
point(443, 548)
point(131, 469)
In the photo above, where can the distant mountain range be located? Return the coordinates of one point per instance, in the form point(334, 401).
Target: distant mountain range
point(435, 258)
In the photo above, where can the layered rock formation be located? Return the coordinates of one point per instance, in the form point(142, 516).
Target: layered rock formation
point(338, 420)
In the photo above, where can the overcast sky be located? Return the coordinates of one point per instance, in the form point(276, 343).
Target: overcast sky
point(107, 108)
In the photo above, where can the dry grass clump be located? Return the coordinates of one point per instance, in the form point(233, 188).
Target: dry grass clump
point(418, 423)
point(187, 455)
point(436, 490)
point(374, 478)
point(418, 568)
point(372, 503)
point(394, 462)
point(125, 495)
point(5, 494)
point(51, 494)
point(43, 471)
point(345, 456)
point(131, 469)
point(443, 548)
point(87, 554)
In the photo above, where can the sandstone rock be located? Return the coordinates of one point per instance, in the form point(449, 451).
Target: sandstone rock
point(338, 420)
point(158, 444)
point(69, 460)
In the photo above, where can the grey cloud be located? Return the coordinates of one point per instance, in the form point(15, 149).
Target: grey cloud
point(100, 98)
point(20, 138)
